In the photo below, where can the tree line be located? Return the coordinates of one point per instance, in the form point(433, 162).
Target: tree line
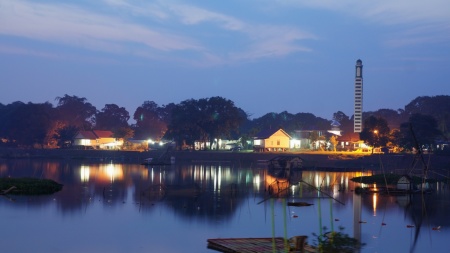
point(422, 124)
point(47, 126)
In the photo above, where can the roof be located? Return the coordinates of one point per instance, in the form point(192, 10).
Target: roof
point(86, 135)
point(103, 134)
point(335, 123)
point(94, 134)
point(265, 134)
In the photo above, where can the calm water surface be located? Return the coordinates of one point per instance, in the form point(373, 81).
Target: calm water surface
point(132, 208)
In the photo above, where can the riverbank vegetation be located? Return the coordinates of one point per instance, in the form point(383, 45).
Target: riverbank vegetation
point(28, 186)
point(336, 241)
point(386, 179)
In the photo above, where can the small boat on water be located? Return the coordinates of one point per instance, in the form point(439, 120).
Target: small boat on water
point(285, 162)
point(299, 204)
point(156, 161)
point(164, 159)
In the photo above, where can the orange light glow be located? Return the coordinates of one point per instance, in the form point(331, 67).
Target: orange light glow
point(110, 172)
point(375, 199)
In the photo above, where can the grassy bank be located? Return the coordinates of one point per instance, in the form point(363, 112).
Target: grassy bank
point(29, 186)
point(389, 179)
point(325, 160)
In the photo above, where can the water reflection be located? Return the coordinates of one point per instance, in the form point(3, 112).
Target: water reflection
point(192, 189)
point(222, 200)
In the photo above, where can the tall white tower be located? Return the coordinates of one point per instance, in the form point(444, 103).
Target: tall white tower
point(357, 126)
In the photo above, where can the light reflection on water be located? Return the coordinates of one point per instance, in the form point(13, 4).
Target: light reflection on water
point(132, 208)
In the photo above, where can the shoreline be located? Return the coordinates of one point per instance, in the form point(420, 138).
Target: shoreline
point(311, 159)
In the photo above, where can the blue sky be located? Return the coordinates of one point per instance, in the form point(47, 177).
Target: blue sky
point(265, 55)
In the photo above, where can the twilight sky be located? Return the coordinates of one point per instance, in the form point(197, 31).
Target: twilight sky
point(265, 55)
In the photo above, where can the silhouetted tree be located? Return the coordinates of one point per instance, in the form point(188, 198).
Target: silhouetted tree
point(424, 128)
point(220, 117)
point(308, 121)
point(346, 124)
point(65, 135)
point(290, 122)
point(165, 112)
point(151, 120)
point(75, 111)
point(394, 139)
point(124, 133)
point(203, 120)
point(184, 126)
point(28, 124)
point(375, 132)
point(393, 118)
point(6, 113)
point(111, 117)
point(436, 106)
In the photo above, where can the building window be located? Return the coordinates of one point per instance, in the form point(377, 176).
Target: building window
point(278, 142)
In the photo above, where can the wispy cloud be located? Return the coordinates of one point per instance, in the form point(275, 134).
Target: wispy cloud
point(15, 50)
point(385, 11)
point(7, 49)
point(406, 12)
point(415, 22)
point(262, 40)
point(138, 8)
point(273, 41)
point(192, 15)
point(148, 30)
point(74, 26)
point(423, 34)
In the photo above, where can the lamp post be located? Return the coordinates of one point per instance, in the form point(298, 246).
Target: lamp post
point(375, 139)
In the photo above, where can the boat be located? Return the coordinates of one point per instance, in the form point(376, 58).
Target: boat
point(285, 162)
point(299, 204)
point(156, 161)
point(281, 166)
point(163, 159)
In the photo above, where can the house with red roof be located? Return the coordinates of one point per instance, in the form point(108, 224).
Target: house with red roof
point(97, 139)
point(352, 142)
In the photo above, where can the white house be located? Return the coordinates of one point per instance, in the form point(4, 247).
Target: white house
point(271, 140)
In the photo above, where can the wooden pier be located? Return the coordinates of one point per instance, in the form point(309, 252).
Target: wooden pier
point(296, 244)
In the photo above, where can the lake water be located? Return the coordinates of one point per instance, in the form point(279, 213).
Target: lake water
point(132, 208)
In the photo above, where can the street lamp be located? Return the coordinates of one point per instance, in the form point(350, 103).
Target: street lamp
point(376, 139)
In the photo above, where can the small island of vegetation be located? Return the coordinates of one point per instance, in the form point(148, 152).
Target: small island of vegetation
point(388, 179)
point(28, 186)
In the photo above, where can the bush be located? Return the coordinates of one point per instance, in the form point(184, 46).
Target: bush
point(336, 242)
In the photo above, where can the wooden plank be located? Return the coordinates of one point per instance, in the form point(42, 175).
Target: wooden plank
point(248, 245)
